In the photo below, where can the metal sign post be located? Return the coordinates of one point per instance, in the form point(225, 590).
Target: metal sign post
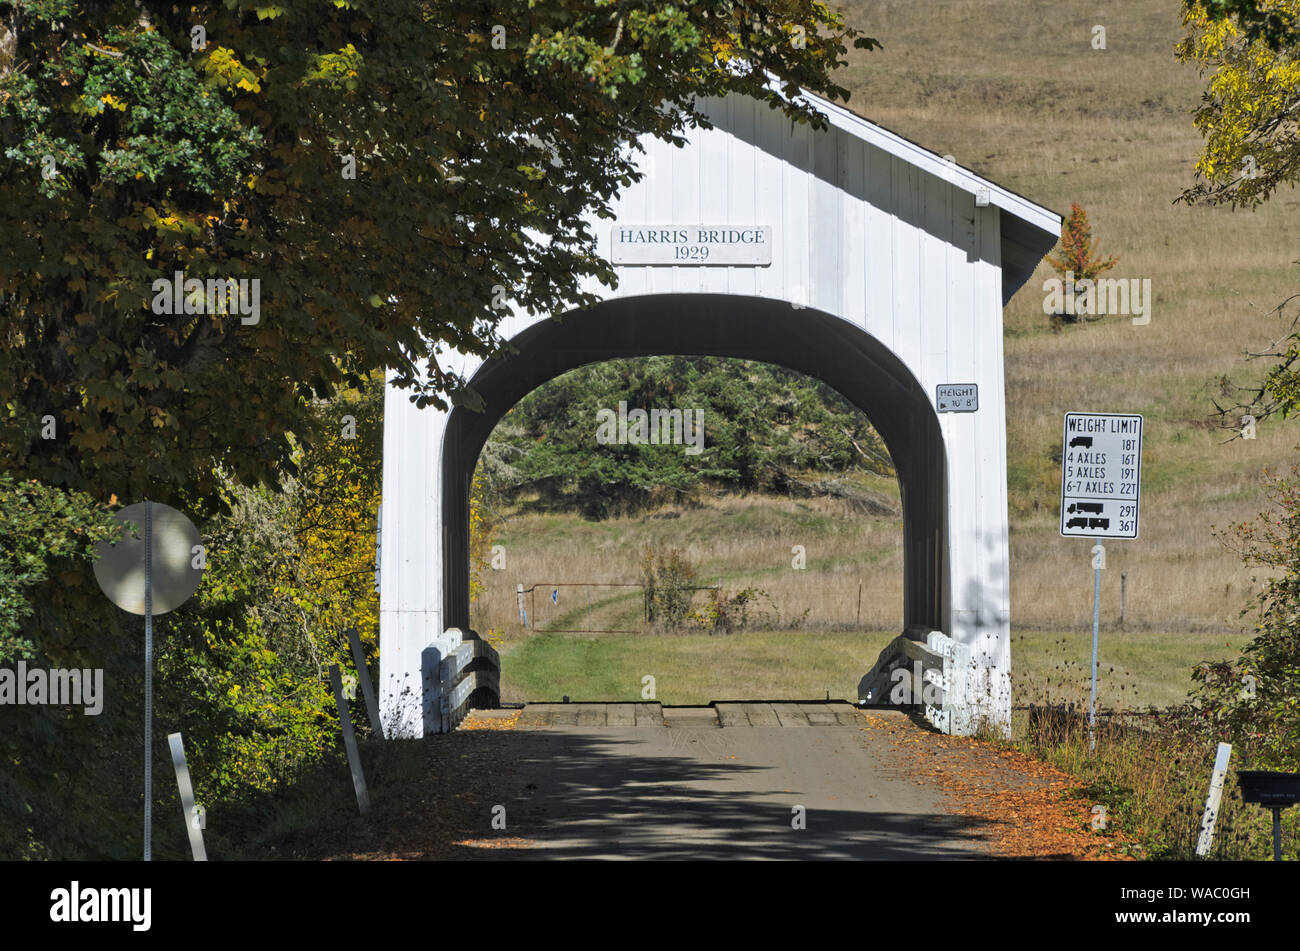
point(173, 560)
point(1276, 791)
point(1101, 489)
point(1096, 627)
point(148, 680)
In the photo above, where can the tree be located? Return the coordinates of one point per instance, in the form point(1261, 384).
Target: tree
point(1076, 264)
point(1248, 113)
point(752, 426)
point(1276, 23)
point(480, 534)
point(376, 175)
point(43, 531)
point(1248, 116)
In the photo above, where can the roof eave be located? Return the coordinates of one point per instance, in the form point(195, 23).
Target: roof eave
point(1029, 230)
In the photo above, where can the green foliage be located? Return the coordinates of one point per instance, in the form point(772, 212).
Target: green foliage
point(1247, 116)
point(70, 783)
point(52, 615)
point(726, 613)
point(1255, 701)
point(43, 531)
point(762, 426)
point(668, 579)
point(289, 573)
point(126, 156)
point(229, 161)
point(1275, 23)
point(1247, 113)
point(1120, 802)
point(240, 668)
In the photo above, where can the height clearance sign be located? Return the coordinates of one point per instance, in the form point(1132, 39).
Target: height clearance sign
point(1101, 475)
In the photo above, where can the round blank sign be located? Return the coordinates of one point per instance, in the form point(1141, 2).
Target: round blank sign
point(120, 566)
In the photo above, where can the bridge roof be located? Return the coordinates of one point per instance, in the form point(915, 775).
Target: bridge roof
point(1029, 230)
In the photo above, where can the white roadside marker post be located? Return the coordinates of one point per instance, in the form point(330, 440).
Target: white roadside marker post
point(193, 825)
point(1213, 799)
point(350, 741)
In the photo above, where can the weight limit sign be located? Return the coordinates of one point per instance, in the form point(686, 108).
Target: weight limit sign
point(1101, 475)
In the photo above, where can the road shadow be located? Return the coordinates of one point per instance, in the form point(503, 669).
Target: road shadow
point(598, 794)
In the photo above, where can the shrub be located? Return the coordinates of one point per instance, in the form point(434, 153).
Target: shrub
point(668, 579)
point(726, 613)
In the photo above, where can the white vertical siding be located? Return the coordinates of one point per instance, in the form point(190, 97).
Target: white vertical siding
point(880, 271)
point(906, 237)
point(851, 261)
point(741, 184)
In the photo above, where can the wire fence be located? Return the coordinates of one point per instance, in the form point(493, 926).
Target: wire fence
point(577, 607)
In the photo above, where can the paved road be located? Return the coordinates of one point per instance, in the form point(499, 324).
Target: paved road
point(640, 781)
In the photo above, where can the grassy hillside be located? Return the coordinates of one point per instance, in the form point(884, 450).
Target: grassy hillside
point(1017, 93)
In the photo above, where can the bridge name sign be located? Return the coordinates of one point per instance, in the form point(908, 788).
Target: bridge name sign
point(1101, 475)
point(691, 245)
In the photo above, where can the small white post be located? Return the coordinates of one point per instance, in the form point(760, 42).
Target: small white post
point(1212, 800)
point(193, 820)
point(350, 741)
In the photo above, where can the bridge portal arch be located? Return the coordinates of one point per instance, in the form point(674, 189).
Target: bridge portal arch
point(883, 272)
point(811, 342)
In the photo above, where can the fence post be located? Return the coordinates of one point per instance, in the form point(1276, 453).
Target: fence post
point(1123, 596)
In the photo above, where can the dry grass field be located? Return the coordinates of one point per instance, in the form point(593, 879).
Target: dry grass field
point(811, 637)
point(1015, 91)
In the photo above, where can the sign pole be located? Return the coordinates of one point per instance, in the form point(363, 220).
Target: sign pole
point(1277, 833)
point(168, 581)
point(148, 680)
point(1096, 616)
